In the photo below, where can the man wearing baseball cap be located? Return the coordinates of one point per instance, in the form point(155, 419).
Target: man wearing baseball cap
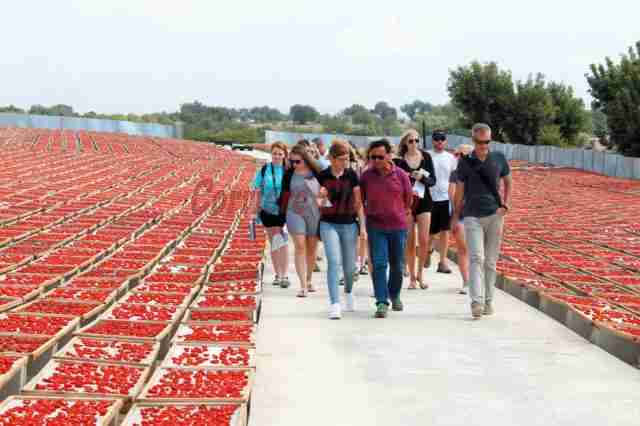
point(444, 164)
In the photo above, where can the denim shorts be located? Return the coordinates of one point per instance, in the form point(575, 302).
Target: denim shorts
point(302, 225)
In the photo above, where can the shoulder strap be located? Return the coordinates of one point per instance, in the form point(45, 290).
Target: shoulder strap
point(479, 170)
point(273, 177)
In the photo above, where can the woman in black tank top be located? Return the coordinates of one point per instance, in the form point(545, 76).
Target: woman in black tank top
point(419, 165)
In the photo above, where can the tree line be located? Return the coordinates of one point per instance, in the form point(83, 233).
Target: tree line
point(532, 111)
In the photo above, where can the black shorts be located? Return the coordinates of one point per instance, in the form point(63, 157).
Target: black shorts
point(440, 217)
point(272, 220)
point(425, 205)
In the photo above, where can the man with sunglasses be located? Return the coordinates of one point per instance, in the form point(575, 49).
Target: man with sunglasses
point(478, 197)
point(444, 163)
point(387, 194)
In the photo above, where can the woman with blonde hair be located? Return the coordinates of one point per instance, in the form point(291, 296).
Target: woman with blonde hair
point(299, 203)
point(419, 165)
point(268, 187)
point(462, 252)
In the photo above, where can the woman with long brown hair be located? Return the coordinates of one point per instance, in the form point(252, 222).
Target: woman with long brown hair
point(268, 186)
point(341, 205)
point(299, 202)
point(419, 165)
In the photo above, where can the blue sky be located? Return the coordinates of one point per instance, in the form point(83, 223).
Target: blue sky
point(143, 56)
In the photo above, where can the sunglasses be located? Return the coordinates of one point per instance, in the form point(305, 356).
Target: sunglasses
point(485, 142)
point(294, 162)
point(376, 157)
point(439, 138)
point(412, 141)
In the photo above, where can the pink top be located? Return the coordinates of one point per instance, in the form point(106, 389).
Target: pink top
point(386, 198)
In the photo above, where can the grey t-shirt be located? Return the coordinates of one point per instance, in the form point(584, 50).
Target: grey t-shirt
point(304, 190)
point(479, 201)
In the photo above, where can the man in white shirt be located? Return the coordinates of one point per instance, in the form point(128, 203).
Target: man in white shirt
point(322, 149)
point(444, 164)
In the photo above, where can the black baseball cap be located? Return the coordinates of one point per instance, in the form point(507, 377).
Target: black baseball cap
point(439, 135)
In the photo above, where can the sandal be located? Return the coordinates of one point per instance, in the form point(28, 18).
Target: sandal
point(412, 285)
point(310, 287)
point(423, 286)
point(302, 293)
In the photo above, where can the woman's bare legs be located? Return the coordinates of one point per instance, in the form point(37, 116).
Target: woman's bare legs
point(410, 252)
point(462, 253)
point(279, 258)
point(311, 249)
point(299, 242)
point(424, 222)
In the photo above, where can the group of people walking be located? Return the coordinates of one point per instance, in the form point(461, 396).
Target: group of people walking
point(380, 211)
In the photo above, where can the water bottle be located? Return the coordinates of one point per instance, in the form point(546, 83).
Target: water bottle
point(252, 229)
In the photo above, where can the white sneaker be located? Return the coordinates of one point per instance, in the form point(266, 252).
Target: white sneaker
point(334, 311)
point(349, 303)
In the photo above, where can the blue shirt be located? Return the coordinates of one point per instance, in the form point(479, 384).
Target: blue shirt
point(270, 187)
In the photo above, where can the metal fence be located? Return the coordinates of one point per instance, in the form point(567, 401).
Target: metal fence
point(93, 124)
point(584, 159)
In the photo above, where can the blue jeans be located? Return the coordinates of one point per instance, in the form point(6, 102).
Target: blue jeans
point(386, 249)
point(339, 247)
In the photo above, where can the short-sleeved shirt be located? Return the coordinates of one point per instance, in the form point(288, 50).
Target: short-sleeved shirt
point(304, 190)
point(341, 208)
point(270, 187)
point(384, 197)
point(443, 164)
point(453, 178)
point(479, 201)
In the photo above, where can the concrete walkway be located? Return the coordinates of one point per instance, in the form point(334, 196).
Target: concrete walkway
point(431, 365)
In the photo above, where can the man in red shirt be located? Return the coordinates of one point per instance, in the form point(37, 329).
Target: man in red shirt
point(387, 194)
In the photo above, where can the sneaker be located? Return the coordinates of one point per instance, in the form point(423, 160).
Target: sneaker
point(443, 269)
point(364, 270)
point(356, 276)
point(396, 304)
point(276, 281)
point(316, 268)
point(342, 281)
point(349, 303)
point(284, 282)
point(476, 310)
point(334, 311)
point(488, 309)
point(381, 310)
point(464, 288)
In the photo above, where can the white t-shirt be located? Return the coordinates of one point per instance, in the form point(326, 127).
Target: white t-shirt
point(443, 163)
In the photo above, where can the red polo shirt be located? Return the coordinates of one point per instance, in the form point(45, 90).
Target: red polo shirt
point(385, 198)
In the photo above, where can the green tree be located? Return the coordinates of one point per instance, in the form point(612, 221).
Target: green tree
point(12, 109)
point(569, 112)
point(59, 110)
point(416, 107)
point(384, 111)
point(335, 124)
point(599, 127)
point(530, 110)
point(303, 114)
point(483, 93)
point(615, 88)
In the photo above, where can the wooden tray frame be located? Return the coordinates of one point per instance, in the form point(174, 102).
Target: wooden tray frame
point(110, 419)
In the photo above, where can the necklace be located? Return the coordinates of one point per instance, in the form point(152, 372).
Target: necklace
point(413, 161)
